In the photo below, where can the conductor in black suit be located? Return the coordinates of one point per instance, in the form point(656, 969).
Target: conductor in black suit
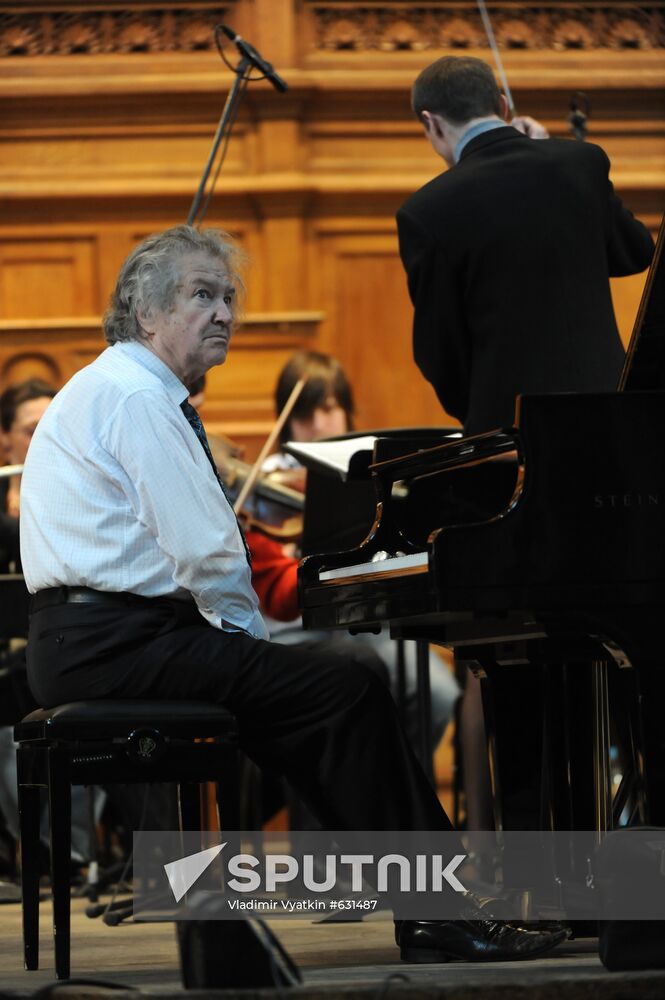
point(509, 253)
point(508, 256)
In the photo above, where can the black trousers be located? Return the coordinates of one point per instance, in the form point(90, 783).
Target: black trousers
point(323, 720)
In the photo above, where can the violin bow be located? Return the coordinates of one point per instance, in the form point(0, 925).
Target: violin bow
point(248, 485)
point(10, 470)
point(489, 31)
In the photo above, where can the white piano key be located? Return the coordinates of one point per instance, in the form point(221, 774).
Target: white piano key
point(415, 561)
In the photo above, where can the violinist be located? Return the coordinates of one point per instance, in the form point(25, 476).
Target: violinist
point(325, 408)
point(274, 567)
point(21, 407)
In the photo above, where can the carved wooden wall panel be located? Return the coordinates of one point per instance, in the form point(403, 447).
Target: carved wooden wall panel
point(107, 112)
point(341, 26)
point(74, 29)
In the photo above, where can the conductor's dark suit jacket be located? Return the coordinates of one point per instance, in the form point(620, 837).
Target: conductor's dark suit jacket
point(508, 256)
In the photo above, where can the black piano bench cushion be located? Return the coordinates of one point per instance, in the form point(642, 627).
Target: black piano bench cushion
point(103, 719)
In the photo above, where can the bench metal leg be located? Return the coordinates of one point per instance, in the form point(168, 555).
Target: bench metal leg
point(28, 807)
point(228, 792)
point(228, 800)
point(60, 817)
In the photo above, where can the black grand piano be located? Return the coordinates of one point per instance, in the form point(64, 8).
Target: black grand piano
point(538, 549)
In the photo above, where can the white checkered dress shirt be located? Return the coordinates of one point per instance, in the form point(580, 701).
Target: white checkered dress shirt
point(118, 494)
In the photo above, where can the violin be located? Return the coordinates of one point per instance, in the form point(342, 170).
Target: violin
point(254, 479)
point(277, 502)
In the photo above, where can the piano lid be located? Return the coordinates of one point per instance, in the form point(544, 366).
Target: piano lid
point(340, 503)
point(644, 367)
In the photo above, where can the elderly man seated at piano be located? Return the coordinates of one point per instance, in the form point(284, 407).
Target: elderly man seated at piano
point(141, 580)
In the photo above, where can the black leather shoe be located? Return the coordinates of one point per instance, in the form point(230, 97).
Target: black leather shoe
point(472, 904)
point(472, 940)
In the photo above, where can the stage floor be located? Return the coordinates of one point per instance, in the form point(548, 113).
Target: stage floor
point(350, 960)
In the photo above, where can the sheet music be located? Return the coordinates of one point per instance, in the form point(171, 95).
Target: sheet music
point(334, 455)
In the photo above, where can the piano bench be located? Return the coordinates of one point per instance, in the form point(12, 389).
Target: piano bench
point(105, 742)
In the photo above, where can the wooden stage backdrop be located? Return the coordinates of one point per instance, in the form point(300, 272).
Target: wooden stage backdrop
point(107, 112)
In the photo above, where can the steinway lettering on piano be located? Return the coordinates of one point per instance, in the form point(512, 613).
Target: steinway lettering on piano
point(626, 500)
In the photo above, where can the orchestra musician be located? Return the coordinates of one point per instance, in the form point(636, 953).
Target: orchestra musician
point(22, 406)
point(141, 581)
point(508, 256)
point(325, 408)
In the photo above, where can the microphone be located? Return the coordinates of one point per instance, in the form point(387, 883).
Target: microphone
point(257, 60)
point(579, 112)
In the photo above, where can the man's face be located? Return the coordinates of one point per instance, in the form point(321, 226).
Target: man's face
point(193, 334)
point(327, 420)
point(18, 437)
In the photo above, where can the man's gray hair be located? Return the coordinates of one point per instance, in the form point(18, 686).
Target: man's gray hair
point(149, 278)
point(458, 88)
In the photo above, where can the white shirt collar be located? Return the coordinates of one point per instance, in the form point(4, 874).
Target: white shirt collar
point(486, 125)
point(148, 359)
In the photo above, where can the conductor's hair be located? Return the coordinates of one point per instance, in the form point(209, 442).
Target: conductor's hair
point(150, 276)
point(325, 378)
point(458, 88)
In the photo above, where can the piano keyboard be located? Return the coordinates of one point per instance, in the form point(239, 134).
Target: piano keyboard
point(415, 562)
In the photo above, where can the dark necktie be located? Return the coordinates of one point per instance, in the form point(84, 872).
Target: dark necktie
point(194, 421)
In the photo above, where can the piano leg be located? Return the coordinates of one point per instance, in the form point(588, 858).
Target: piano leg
point(513, 704)
point(651, 701)
point(540, 748)
point(629, 800)
point(400, 693)
point(601, 746)
point(473, 755)
point(424, 708)
point(493, 769)
point(549, 738)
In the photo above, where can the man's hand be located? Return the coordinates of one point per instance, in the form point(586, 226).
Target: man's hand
point(529, 126)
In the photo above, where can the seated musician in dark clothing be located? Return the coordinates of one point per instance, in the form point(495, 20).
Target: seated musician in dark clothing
point(142, 583)
point(21, 407)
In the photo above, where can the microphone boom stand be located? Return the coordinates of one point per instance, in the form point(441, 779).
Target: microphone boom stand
point(227, 116)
